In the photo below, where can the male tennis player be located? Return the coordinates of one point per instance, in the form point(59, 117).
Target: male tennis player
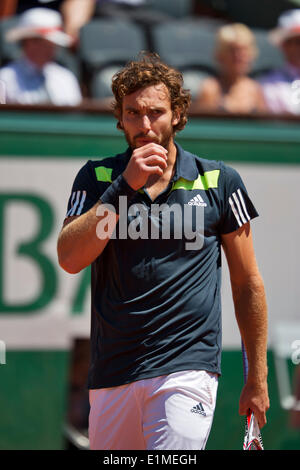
point(151, 222)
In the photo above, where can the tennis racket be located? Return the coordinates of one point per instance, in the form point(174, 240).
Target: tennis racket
point(252, 438)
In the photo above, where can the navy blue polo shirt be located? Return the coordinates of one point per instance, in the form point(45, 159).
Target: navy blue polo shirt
point(156, 306)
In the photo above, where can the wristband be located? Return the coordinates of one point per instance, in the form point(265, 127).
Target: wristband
point(119, 187)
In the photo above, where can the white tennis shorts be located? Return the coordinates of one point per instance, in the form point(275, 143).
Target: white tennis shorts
point(170, 412)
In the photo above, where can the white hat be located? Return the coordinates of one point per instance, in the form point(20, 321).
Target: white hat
point(288, 27)
point(40, 23)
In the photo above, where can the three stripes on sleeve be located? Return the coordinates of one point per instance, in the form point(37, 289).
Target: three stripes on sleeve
point(76, 203)
point(238, 207)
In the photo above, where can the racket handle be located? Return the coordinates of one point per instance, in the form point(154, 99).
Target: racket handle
point(245, 362)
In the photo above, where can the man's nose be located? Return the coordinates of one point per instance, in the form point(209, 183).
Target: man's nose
point(145, 123)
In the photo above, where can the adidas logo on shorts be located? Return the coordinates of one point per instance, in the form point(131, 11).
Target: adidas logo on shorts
point(197, 201)
point(198, 409)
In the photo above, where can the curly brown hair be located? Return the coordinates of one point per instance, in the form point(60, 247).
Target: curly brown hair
point(149, 70)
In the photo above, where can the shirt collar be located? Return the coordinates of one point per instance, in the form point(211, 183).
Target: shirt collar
point(185, 165)
point(29, 67)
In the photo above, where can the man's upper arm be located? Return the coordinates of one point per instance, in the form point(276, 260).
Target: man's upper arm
point(68, 220)
point(84, 193)
point(240, 255)
point(235, 231)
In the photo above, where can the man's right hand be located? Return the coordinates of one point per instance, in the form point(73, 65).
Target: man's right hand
point(255, 397)
point(145, 161)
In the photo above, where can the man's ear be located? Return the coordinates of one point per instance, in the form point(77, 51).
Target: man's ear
point(118, 116)
point(120, 121)
point(176, 117)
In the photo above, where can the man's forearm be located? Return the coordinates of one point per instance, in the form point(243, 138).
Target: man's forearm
point(80, 242)
point(76, 13)
point(251, 313)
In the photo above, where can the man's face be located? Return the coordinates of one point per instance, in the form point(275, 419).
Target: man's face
point(147, 117)
point(236, 58)
point(39, 51)
point(291, 50)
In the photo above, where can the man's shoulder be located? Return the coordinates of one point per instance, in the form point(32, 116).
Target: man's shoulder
point(109, 161)
point(226, 173)
point(9, 68)
point(55, 67)
point(107, 164)
point(207, 164)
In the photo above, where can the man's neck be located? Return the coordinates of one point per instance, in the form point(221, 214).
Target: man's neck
point(227, 80)
point(34, 64)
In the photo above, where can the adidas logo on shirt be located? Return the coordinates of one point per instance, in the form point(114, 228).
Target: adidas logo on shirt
point(197, 201)
point(198, 409)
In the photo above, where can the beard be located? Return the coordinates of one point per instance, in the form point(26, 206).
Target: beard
point(164, 140)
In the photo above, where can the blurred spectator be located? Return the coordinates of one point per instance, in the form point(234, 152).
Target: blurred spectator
point(282, 87)
point(35, 78)
point(135, 10)
point(7, 8)
point(75, 13)
point(233, 90)
point(114, 4)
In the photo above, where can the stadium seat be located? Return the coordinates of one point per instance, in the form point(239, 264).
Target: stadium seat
point(69, 60)
point(106, 41)
point(8, 50)
point(193, 80)
point(173, 8)
point(185, 44)
point(101, 82)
